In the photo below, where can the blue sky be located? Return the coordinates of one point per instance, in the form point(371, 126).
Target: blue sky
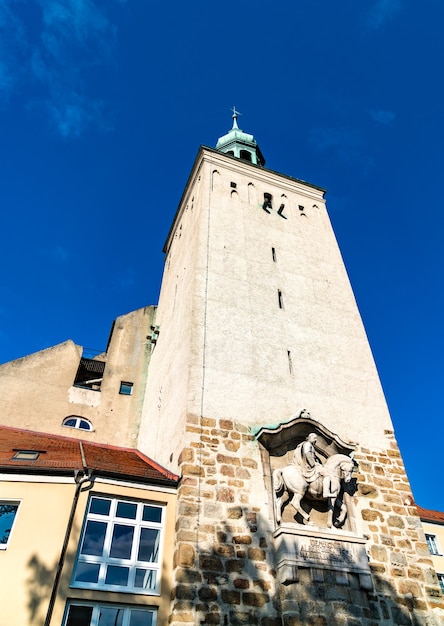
point(101, 100)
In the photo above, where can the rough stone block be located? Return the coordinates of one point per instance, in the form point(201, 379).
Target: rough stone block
point(210, 563)
point(243, 539)
point(235, 565)
point(369, 491)
point(378, 553)
point(247, 462)
point(224, 551)
point(241, 583)
point(256, 554)
point(251, 598)
point(184, 556)
point(395, 521)
point(207, 594)
point(225, 494)
point(226, 424)
point(188, 576)
point(231, 596)
point(228, 460)
point(193, 470)
point(231, 445)
point(370, 515)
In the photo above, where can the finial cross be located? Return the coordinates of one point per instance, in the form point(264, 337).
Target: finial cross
point(235, 113)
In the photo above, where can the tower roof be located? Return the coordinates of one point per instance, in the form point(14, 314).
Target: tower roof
point(240, 144)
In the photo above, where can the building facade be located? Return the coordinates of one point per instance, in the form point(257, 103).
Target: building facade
point(67, 391)
point(433, 526)
point(85, 533)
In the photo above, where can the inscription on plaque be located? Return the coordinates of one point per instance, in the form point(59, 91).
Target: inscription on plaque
point(320, 549)
point(326, 551)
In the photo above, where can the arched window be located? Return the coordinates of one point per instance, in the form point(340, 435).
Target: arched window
point(245, 155)
point(74, 421)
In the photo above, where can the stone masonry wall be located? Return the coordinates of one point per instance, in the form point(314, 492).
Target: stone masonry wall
point(225, 562)
point(406, 586)
point(223, 559)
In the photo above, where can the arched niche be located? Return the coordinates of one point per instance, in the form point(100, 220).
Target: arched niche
point(282, 438)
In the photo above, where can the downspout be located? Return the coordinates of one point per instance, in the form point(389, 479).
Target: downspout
point(80, 479)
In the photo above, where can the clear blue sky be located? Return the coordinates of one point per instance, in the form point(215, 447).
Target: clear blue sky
point(103, 106)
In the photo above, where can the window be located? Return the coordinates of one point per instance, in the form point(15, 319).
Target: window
point(432, 542)
point(87, 614)
point(268, 202)
point(89, 374)
point(73, 421)
point(120, 546)
point(290, 362)
point(280, 299)
point(245, 155)
point(8, 512)
point(26, 455)
point(273, 254)
point(126, 388)
point(441, 581)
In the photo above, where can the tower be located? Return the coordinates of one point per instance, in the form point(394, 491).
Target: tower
point(261, 351)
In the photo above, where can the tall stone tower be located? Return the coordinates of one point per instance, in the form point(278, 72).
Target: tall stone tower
point(294, 506)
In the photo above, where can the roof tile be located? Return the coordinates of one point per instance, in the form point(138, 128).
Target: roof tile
point(63, 454)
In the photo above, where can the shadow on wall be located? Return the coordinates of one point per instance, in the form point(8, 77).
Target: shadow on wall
point(41, 580)
point(232, 579)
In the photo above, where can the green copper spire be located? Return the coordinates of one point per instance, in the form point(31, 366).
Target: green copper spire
point(240, 144)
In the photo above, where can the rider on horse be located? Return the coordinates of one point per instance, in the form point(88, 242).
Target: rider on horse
point(310, 465)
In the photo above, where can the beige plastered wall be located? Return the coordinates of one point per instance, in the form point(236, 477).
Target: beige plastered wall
point(37, 392)
point(28, 565)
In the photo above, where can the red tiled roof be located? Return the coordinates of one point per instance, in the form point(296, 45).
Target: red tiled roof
point(64, 454)
point(427, 515)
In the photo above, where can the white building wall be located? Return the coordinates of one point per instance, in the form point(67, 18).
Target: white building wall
point(224, 340)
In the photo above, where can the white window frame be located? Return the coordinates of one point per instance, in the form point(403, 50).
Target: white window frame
point(441, 581)
point(105, 560)
point(78, 421)
point(3, 501)
point(126, 608)
point(433, 544)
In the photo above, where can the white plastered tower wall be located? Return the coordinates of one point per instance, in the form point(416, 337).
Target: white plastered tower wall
point(228, 347)
point(256, 322)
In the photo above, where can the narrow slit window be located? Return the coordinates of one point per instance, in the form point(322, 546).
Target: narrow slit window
point(273, 254)
point(290, 362)
point(280, 299)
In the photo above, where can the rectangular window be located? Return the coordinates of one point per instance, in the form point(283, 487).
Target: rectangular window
point(273, 254)
point(441, 581)
point(8, 512)
point(280, 299)
point(120, 546)
point(432, 542)
point(126, 388)
point(88, 614)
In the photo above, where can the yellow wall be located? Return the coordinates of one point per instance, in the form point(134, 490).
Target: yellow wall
point(28, 565)
point(438, 530)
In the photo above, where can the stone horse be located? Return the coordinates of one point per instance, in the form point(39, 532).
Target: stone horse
point(338, 468)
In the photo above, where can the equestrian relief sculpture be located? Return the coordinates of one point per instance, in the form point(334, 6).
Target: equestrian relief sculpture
point(307, 477)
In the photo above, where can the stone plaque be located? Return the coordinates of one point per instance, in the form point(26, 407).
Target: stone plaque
point(320, 549)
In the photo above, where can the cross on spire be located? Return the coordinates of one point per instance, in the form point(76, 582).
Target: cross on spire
point(235, 116)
